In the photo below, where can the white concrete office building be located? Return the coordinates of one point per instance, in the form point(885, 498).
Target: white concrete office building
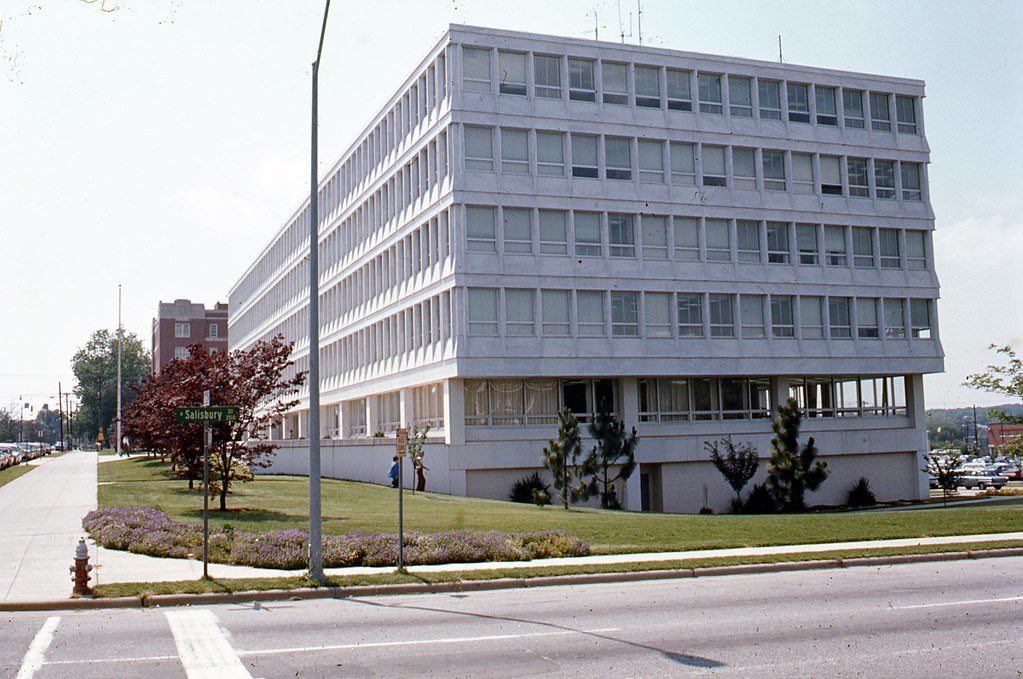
point(535, 222)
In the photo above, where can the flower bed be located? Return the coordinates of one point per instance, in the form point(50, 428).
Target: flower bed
point(145, 530)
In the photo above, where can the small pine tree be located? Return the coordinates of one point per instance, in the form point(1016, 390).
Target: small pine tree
point(792, 471)
point(614, 448)
point(737, 465)
point(562, 457)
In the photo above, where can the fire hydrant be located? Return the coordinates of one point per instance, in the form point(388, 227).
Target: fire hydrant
point(80, 570)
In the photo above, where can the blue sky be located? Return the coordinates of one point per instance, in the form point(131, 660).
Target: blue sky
point(159, 144)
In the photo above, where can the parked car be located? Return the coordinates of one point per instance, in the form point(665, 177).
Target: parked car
point(983, 479)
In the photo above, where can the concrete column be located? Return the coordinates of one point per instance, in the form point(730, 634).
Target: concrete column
point(454, 412)
point(372, 425)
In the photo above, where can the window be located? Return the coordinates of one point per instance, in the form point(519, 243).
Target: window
point(806, 243)
point(547, 76)
point(514, 151)
point(751, 312)
point(835, 247)
point(581, 83)
point(705, 398)
point(625, 314)
point(852, 103)
point(880, 116)
point(722, 315)
point(799, 102)
point(683, 164)
point(479, 148)
point(690, 315)
point(518, 236)
point(920, 318)
point(713, 165)
point(811, 317)
point(181, 352)
point(480, 230)
point(587, 234)
point(858, 183)
point(911, 181)
point(783, 322)
point(513, 72)
point(888, 244)
point(518, 310)
point(778, 250)
point(710, 93)
point(687, 238)
point(747, 240)
point(718, 243)
point(584, 156)
point(802, 173)
point(550, 154)
point(679, 95)
point(651, 162)
point(770, 99)
point(905, 114)
point(214, 331)
point(863, 247)
point(655, 236)
point(916, 250)
point(884, 179)
point(590, 306)
point(182, 329)
point(657, 314)
point(841, 320)
point(831, 176)
point(827, 107)
point(618, 158)
point(648, 86)
point(774, 170)
point(555, 306)
point(740, 97)
point(866, 318)
point(553, 232)
point(673, 395)
point(621, 235)
point(615, 83)
point(744, 169)
point(482, 311)
point(894, 319)
point(476, 69)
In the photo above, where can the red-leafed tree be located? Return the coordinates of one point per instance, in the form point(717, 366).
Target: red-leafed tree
point(256, 380)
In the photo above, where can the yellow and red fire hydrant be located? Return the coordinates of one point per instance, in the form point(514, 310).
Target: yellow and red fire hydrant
point(80, 570)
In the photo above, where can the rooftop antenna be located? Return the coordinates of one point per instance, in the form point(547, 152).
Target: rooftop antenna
point(596, 26)
point(639, 20)
point(621, 26)
point(780, 60)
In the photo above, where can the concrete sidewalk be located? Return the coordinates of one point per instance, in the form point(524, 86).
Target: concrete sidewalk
point(43, 513)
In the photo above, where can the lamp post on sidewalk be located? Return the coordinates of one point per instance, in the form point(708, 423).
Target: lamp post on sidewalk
point(315, 512)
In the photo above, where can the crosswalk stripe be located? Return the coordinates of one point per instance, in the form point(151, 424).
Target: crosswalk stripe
point(36, 653)
point(203, 646)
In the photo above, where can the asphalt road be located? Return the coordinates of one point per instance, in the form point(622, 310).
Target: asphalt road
point(946, 619)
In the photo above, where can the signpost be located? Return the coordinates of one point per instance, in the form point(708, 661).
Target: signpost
point(206, 414)
point(401, 449)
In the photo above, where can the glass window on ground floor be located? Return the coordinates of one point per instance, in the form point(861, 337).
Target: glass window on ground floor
point(428, 405)
point(849, 396)
point(534, 401)
point(681, 399)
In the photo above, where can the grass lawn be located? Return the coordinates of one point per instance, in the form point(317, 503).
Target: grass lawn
point(11, 473)
point(276, 502)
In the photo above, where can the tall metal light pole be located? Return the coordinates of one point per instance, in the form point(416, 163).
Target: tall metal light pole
point(315, 513)
point(120, 341)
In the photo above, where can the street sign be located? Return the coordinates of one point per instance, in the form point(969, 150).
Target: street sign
point(401, 444)
point(207, 414)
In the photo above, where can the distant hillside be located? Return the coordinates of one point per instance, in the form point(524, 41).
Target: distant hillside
point(952, 427)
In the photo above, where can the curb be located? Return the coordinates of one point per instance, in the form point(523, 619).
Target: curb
point(157, 600)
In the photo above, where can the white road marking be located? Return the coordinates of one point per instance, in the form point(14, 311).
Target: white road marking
point(35, 656)
point(420, 642)
point(203, 646)
point(960, 603)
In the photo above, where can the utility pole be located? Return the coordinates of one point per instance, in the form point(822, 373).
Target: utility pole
point(120, 341)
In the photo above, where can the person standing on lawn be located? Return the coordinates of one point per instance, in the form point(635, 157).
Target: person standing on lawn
point(394, 471)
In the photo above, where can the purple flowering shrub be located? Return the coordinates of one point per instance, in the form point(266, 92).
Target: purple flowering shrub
point(145, 530)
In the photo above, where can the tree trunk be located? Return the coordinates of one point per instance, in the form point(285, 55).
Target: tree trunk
point(420, 479)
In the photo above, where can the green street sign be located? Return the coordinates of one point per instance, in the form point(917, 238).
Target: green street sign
point(207, 414)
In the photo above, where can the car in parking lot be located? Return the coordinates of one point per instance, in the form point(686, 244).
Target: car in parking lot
point(983, 479)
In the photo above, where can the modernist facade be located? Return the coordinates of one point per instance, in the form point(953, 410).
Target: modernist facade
point(182, 323)
point(535, 222)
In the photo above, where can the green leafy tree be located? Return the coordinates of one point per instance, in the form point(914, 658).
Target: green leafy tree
point(7, 429)
point(615, 455)
point(416, 439)
point(947, 472)
point(95, 369)
point(738, 464)
point(792, 470)
point(573, 477)
point(1005, 379)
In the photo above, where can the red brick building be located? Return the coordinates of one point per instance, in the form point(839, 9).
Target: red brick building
point(182, 323)
point(1001, 433)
